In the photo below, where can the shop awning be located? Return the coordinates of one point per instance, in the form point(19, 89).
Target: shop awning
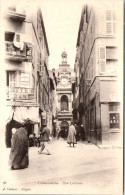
point(21, 114)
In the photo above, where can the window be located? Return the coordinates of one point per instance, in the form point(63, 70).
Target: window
point(111, 60)
point(9, 36)
point(112, 66)
point(64, 103)
point(110, 22)
point(102, 59)
point(108, 59)
point(17, 37)
point(114, 107)
point(11, 79)
point(111, 53)
point(114, 121)
point(114, 115)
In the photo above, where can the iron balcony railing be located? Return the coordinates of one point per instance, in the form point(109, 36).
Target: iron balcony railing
point(20, 94)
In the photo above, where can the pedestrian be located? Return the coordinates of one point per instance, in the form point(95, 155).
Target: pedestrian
point(58, 132)
point(35, 140)
point(45, 138)
point(18, 158)
point(77, 132)
point(31, 140)
point(71, 135)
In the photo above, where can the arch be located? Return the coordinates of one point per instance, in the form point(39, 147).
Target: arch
point(64, 127)
point(15, 124)
point(64, 103)
point(8, 133)
point(64, 124)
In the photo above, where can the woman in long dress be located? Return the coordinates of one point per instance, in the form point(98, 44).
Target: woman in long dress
point(18, 158)
point(71, 139)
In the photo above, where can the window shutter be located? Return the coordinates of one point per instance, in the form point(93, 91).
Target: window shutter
point(17, 37)
point(108, 15)
point(12, 79)
point(102, 59)
point(114, 15)
point(114, 28)
point(108, 28)
point(110, 22)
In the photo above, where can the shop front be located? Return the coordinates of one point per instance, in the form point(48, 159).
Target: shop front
point(22, 116)
point(111, 115)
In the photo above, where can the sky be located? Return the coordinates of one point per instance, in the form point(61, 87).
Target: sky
point(61, 20)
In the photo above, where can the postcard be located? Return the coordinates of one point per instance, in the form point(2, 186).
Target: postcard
point(61, 97)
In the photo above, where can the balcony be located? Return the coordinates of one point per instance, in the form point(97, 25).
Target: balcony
point(13, 53)
point(20, 94)
point(14, 14)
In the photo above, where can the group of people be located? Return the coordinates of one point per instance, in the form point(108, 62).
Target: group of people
point(19, 158)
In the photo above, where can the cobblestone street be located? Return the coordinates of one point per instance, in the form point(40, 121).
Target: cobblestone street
point(85, 168)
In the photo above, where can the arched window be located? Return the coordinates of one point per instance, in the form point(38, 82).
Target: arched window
point(64, 103)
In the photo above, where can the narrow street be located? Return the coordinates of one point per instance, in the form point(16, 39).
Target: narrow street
point(85, 168)
point(62, 77)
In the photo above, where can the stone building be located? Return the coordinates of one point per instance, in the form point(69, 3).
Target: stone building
point(52, 102)
point(26, 67)
point(65, 76)
point(97, 102)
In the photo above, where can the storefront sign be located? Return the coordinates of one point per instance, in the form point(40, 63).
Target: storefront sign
point(29, 52)
point(19, 93)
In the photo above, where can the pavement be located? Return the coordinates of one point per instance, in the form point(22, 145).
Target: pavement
point(84, 169)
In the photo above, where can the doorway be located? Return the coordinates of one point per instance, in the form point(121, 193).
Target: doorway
point(64, 126)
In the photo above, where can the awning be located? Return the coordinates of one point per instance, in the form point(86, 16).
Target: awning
point(9, 113)
point(21, 114)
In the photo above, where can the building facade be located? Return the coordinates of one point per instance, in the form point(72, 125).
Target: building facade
point(26, 68)
point(97, 102)
point(65, 77)
point(52, 103)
